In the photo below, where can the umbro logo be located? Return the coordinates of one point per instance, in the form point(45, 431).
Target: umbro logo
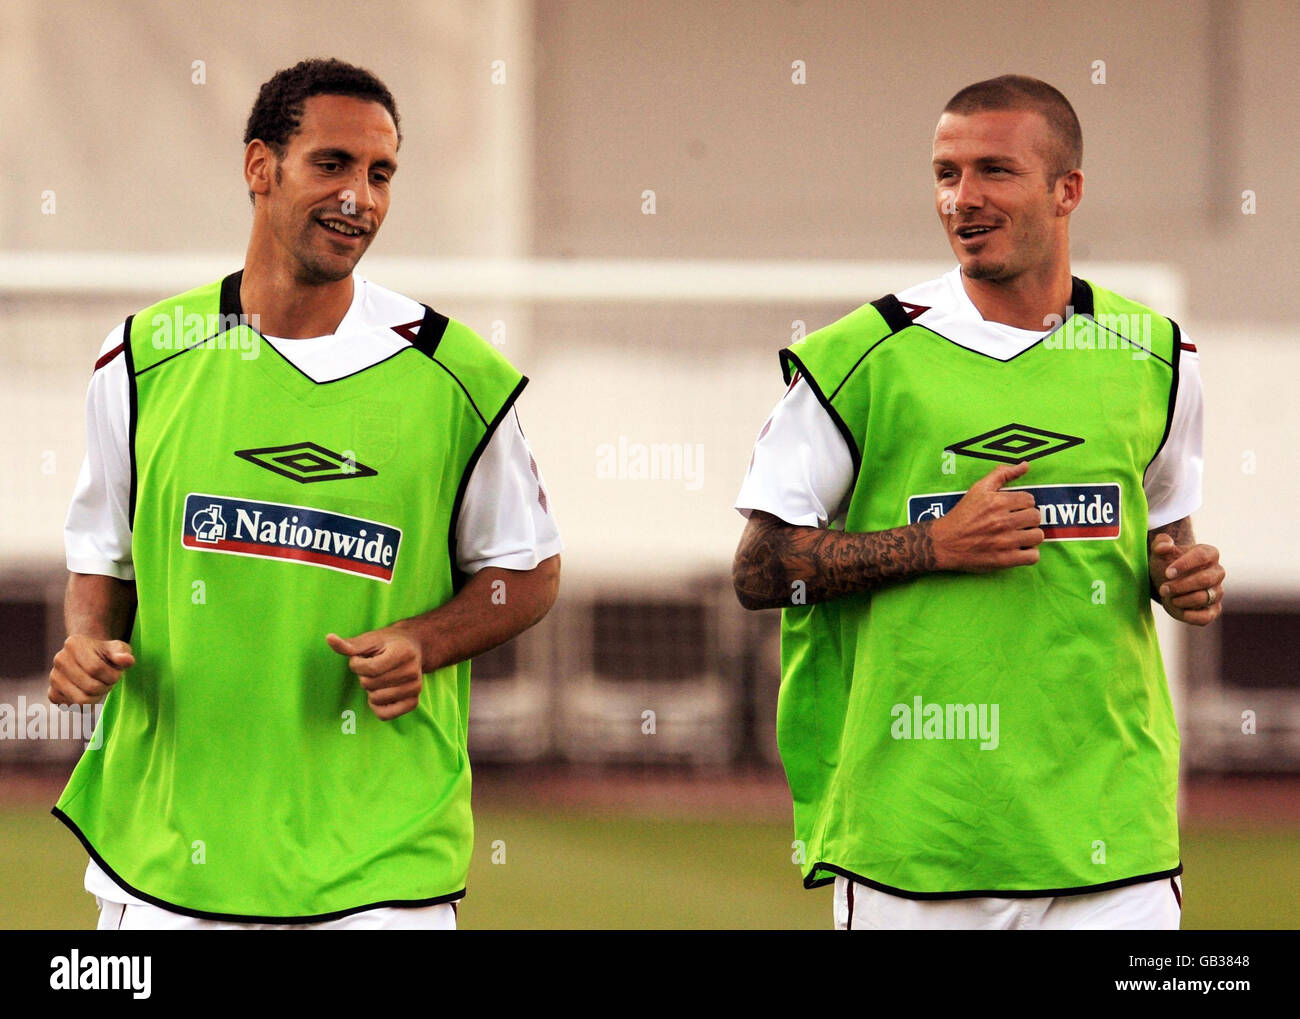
point(306, 462)
point(1013, 443)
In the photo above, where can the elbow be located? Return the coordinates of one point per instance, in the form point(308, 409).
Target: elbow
point(748, 592)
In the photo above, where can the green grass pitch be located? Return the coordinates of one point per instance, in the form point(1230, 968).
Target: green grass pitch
point(618, 871)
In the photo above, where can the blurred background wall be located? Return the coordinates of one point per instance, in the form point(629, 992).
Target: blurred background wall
point(536, 132)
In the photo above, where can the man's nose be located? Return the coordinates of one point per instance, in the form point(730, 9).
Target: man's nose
point(358, 193)
point(966, 192)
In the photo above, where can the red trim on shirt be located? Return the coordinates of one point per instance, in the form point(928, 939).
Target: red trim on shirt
point(1188, 346)
point(108, 357)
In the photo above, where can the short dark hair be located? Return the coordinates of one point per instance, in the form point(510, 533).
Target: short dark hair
point(277, 113)
point(1018, 92)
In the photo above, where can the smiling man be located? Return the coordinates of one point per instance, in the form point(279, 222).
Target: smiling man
point(965, 504)
point(293, 528)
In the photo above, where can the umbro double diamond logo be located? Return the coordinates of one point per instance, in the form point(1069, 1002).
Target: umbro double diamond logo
point(1013, 443)
point(306, 462)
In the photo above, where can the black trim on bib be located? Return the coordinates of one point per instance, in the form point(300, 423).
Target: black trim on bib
point(242, 917)
point(891, 310)
point(431, 332)
point(230, 307)
point(458, 579)
point(1081, 302)
point(433, 327)
point(133, 404)
point(1173, 395)
point(790, 360)
point(995, 893)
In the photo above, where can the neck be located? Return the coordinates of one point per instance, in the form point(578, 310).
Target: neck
point(1032, 300)
point(285, 305)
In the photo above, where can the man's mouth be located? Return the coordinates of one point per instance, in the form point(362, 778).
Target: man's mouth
point(973, 232)
point(342, 228)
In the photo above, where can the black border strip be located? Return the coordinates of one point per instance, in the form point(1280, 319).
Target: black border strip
point(788, 358)
point(891, 310)
point(1081, 299)
point(133, 404)
point(432, 330)
point(232, 309)
point(1173, 395)
point(458, 579)
point(1016, 893)
point(1081, 303)
point(456, 379)
point(240, 917)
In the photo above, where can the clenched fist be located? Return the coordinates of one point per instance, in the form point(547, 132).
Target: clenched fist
point(989, 529)
point(86, 668)
point(1188, 579)
point(389, 664)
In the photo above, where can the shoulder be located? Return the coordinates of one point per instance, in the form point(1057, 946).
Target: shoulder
point(434, 333)
point(832, 352)
point(449, 347)
point(163, 328)
point(1136, 322)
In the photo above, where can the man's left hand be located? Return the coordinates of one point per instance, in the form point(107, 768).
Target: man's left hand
point(1188, 579)
point(388, 663)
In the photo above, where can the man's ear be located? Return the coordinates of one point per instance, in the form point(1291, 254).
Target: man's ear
point(259, 165)
point(1069, 192)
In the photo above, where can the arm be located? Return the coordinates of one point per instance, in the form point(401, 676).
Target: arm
point(97, 611)
point(987, 530)
point(1186, 577)
point(774, 556)
point(494, 606)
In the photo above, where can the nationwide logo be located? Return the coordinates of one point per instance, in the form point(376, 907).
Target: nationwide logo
point(1012, 443)
point(273, 530)
point(306, 462)
point(1069, 512)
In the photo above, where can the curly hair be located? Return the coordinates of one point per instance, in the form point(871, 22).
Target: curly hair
point(277, 113)
point(1018, 92)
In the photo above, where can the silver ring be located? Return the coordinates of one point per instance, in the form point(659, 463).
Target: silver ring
point(1209, 597)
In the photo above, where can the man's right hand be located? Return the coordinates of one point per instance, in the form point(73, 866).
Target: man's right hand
point(86, 669)
point(989, 529)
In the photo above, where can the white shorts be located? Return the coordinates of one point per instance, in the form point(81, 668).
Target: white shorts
point(120, 916)
point(1148, 906)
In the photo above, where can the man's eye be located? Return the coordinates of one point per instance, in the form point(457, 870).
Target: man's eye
point(329, 167)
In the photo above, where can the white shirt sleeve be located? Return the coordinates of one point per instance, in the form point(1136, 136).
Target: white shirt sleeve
point(802, 470)
point(506, 518)
point(1173, 482)
point(97, 532)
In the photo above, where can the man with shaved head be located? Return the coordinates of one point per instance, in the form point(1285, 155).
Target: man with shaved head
point(965, 504)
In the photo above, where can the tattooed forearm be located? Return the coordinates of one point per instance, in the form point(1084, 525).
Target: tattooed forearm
point(774, 556)
point(1179, 530)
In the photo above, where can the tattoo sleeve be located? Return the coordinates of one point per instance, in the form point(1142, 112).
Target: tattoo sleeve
point(774, 556)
